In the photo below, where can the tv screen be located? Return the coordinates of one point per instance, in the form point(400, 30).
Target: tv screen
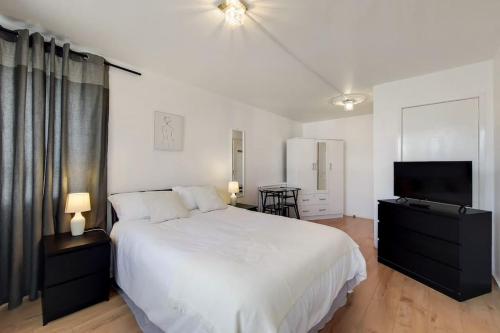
point(445, 182)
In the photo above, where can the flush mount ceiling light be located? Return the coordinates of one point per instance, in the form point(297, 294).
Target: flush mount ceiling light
point(348, 100)
point(234, 10)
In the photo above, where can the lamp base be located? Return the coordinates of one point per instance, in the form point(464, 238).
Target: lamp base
point(233, 199)
point(77, 224)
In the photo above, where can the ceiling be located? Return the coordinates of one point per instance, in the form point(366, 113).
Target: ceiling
point(353, 44)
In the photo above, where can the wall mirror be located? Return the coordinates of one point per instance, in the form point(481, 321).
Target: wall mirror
point(321, 174)
point(238, 160)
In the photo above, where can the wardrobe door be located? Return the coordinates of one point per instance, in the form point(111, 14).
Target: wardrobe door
point(336, 176)
point(302, 165)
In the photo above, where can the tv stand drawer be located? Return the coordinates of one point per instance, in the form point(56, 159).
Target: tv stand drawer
point(423, 266)
point(438, 226)
point(442, 251)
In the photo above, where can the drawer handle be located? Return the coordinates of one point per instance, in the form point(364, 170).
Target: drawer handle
point(322, 199)
point(305, 199)
point(322, 210)
point(305, 211)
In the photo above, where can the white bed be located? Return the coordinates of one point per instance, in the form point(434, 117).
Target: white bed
point(233, 270)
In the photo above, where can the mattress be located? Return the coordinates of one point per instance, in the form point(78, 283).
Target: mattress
point(234, 270)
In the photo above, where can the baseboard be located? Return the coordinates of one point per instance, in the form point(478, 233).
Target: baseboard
point(370, 218)
point(497, 279)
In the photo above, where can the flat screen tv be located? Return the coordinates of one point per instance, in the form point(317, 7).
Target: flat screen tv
point(445, 182)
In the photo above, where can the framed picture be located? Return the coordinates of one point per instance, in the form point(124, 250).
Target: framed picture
point(169, 131)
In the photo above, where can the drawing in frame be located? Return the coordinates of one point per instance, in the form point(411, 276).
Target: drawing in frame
point(168, 131)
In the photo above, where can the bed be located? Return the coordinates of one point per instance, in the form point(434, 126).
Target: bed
point(233, 270)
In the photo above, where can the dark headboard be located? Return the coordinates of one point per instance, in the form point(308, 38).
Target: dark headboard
point(114, 217)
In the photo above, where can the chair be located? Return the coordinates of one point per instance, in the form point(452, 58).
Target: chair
point(292, 194)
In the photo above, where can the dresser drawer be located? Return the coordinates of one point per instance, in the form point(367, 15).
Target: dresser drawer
point(424, 267)
point(439, 250)
point(314, 210)
point(306, 199)
point(430, 224)
point(68, 266)
point(322, 209)
point(321, 198)
point(68, 297)
point(307, 211)
point(313, 199)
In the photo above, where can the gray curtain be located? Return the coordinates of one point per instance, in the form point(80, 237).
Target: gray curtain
point(54, 129)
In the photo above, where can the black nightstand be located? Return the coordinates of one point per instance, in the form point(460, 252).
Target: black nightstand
point(75, 272)
point(245, 206)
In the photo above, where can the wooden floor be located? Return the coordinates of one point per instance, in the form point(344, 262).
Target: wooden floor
point(391, 302)
point(386, 302)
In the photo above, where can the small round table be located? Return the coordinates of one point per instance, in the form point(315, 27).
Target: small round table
point(280, 195)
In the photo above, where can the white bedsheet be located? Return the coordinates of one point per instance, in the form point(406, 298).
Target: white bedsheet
point(234, 270)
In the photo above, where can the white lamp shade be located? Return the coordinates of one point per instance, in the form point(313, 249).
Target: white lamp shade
point(77, 203)
point(233, 187)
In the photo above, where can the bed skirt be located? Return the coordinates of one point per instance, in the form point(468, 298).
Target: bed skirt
point(149, 327)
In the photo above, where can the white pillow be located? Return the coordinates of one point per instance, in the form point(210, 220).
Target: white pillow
point(129, 206)
point(187, 197)
point(207, 199)
point(164, 206)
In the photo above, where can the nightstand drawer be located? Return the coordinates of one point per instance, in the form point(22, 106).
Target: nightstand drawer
point(65, 267)
point(69, 297)
point(246, 206)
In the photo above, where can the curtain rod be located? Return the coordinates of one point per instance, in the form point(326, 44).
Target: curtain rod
point(83, 55)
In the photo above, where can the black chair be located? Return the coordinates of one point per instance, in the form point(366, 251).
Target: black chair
point(290, 201)
point(275, 205)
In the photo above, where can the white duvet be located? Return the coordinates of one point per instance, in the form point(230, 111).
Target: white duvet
point(234, 270)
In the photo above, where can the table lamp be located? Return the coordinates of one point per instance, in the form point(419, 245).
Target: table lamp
point(77, 203)
point(233, 188)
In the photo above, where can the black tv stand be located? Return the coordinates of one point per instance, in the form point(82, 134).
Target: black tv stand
point(420, 205)
point(439, 246)
point(401, 200)
point(424, 205)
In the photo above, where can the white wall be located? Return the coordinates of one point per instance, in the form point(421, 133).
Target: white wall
point(474, 80)
point(496, 226)
point(443, 132)
point(357, 134)
point(209, 119)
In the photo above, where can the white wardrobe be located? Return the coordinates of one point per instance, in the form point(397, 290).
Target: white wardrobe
point(317, 168)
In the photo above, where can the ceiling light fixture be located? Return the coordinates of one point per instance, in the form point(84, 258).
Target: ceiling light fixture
point(234, 10)
point(348, 101)
point(348, 104)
